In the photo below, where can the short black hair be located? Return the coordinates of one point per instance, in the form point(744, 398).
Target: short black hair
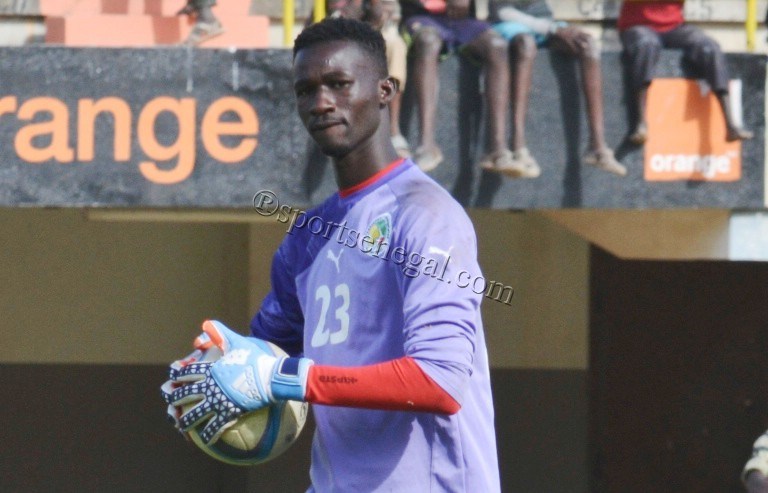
point(342, 29)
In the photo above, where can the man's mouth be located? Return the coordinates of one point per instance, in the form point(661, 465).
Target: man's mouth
point(323, 125)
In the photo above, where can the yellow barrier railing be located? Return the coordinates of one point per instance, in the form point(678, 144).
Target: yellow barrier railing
point(319, 10)
point(288, 22)
point(751, 24)
point(289, 18)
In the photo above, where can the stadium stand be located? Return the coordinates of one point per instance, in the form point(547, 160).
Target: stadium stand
point(144, 23)
point(25, 22)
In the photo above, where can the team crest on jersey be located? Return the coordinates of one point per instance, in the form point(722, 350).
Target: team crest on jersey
point(380, 233)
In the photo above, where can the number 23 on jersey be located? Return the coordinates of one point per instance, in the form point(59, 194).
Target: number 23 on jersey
point(335, 330)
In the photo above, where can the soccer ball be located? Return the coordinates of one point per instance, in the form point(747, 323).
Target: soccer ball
point(258, 436)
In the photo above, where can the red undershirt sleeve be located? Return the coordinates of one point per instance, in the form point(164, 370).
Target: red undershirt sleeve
point(396, 385)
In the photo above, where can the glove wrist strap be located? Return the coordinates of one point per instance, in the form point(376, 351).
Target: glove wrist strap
point(289, 380)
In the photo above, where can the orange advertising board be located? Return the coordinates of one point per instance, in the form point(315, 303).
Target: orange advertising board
point(686, 135)
point(225, 119)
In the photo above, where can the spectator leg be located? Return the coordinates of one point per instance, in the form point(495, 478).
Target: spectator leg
point(523, 48)
point(592, 84)
point(704, 54)
point(733, 131)
point(642, 48)
point(426, 50)
point(204, 10)
point(491, 48)
point(394, 114)
point(397, 53)
point(584, 47)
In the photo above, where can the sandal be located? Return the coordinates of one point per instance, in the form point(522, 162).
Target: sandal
point(514, 164)
point(605, 160)
point(428, 159)
point(401, 146)
point(203, 31)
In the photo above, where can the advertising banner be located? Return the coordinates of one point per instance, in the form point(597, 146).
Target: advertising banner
point(158, 127)
point(687, 134)
point(185, 128)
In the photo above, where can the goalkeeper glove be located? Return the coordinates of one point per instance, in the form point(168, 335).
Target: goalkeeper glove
point(247, 377)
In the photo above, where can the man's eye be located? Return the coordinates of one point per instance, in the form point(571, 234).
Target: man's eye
point(340, 84)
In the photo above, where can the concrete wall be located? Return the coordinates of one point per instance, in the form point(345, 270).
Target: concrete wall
point(81, 292)
point(677, 373)
point(135, 292)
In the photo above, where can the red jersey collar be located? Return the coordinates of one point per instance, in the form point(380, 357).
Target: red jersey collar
point(346, 192)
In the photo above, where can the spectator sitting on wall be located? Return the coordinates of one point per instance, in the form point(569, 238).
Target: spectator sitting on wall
point(647, 26)
point(385, 16)
point(526, 25)
point(206, 24)
point(755, 473)
point(440, 27)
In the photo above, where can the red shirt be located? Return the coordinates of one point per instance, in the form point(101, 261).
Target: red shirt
point(434, 6)
point(659, 15)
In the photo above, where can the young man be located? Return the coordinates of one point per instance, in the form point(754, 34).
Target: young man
point(439, 27)
point(384, 344)
point(526, 25)
point(647, 26)
point(384, 16)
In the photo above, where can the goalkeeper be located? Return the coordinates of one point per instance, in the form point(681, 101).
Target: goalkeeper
point(393, 362)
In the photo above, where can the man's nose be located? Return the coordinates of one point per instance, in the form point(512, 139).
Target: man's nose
point(323, 102)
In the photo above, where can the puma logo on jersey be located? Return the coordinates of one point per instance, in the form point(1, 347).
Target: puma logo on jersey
point(335, 259)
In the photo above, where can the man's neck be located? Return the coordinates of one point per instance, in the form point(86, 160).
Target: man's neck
point(361, 164)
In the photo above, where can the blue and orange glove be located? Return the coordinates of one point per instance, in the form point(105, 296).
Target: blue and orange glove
point(248, 376)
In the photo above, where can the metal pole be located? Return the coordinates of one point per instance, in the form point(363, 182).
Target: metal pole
point(288, 22)
point(751, 25)
point(319, 10)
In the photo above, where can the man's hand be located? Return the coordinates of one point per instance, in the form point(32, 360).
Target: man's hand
point(457, 9)
point(573, 39)
point(247, 377)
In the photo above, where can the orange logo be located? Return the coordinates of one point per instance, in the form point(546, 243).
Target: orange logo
point(686, 135)
point(165, 163)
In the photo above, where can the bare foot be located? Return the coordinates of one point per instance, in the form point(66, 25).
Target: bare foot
point(640, 134)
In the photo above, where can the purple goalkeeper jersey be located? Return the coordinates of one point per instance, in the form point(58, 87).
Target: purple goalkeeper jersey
point(388, 271)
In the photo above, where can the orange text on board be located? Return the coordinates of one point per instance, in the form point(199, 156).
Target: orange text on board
point(181, 153)
point(686, 135)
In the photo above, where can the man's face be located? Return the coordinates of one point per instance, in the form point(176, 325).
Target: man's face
point(338, 95)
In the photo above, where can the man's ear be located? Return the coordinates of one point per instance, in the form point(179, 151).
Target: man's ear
point(387, 90)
